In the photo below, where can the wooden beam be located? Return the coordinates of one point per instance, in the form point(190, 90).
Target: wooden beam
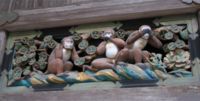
point(4, 5)
point(108, 10)
point(181, 93)
point(198, 17)
point(2, 46)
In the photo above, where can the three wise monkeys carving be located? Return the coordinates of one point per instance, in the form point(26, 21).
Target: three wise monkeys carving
point(114, 49)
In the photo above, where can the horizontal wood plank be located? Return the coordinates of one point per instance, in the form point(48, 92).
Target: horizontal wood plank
point(181, 93)
point(39, 4)
point(108, 10)
point(199, 18)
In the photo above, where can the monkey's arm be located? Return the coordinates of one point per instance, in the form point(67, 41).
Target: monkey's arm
point(119, 42)
point(74, 54)
point(133, 37)
point(155, 42)
point(101, 48)
point(58, 51)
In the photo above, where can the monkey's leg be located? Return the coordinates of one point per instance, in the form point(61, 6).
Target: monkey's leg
point(87, 67)
point(68, 66)
point(55, 66)
point(122, 56)
point(145, 56)
point(102, 63)
point(137, 55)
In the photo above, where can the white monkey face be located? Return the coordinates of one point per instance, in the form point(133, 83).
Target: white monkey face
point(68, 43)
point(108, 33)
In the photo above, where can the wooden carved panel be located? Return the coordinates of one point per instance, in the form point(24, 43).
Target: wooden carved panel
point(172, 61)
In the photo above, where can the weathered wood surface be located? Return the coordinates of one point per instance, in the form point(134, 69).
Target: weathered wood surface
point(199, 19)
point(2, 46)
point(37, 14)
point(183, 93)
point(6, 5)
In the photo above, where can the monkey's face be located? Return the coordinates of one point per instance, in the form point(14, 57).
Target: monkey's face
point(146, 31)
point(109, 33)
point(68, 43)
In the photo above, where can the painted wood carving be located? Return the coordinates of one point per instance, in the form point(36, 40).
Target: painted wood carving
point(102, 53)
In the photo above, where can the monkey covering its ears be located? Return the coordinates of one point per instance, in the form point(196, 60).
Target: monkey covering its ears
point(59, 59)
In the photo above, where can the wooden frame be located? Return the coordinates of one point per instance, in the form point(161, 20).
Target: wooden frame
point(108, 10)
point(95, 12)
point(2, 45)
point(182, 19)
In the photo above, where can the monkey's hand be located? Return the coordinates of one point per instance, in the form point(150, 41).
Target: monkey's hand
point(88, 58)
point(107, 38)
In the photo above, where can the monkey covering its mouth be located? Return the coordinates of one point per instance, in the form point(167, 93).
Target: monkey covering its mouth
point(110, 48)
